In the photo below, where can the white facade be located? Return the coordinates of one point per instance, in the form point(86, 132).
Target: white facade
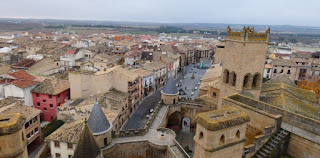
point(14, 91)
point(62, 149)
point(130, 61)
point(69, 60)
point(148, 81)
point(267, 73)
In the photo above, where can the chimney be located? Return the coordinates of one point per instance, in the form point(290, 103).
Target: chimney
point(104, 69)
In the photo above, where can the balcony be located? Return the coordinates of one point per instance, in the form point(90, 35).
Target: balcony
point(132, 85)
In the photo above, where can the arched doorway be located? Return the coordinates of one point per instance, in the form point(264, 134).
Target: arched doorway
point(186, 124)
point(174, 121)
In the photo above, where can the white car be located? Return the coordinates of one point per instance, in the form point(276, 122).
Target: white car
point(192, 93)
point(196, 88)
point(184, 77)
point(151, 110)
point(177, 85)
point(148, 116)
point(180, 81)
point(199, 83)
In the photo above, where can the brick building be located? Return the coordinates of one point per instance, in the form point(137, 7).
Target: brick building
point(48, 95)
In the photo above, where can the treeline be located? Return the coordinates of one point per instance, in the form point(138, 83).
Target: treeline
point(172, 29)
point(56, 26)
point(101, 26)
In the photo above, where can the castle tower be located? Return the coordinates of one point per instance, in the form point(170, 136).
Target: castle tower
point(220, 133)
point(243, 59)
point(12, 138)
point(87, 147)
point(100, 126)
point(169, 93)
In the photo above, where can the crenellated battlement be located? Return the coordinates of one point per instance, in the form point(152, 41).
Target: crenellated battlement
point(248, 34)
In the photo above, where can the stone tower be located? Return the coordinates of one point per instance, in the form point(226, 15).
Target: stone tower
point(87, 146)
point(99, 125)
point(220, 133)
point(12, 138)
point(170, 94)
point(243, 59)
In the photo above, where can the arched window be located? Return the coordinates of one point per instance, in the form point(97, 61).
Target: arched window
point(221, 142)
point(256, 81)
point(200, 135)
point(233, 79)
point(238, 134)
point(226, 76)
point(246, 81)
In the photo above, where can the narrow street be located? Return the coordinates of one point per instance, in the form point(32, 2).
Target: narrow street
point(138, 118)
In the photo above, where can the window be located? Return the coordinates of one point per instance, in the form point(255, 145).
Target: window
point(69, 145)
point(288, 72)
point(44, 100)
point(45, 109)
point(37, 95)
point(36, 130)
point(238, 134)
point(35, 119)
point(268, 71)
point(28, 135)
point(26, 125)
point(200, 135)
point(30, 122)
point(56, 144)
point(214, 94)
point(50, 96)
point(281, 71)
point(69, 156)
point(22, 136)
point(58, 95)
point(289, 66)
point(38, 104)
point(105, 141)
point(51, 106)
point(275, 71)
point(221, 142)
point(58, 155)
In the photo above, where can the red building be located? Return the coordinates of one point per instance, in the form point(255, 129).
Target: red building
point(48, 95)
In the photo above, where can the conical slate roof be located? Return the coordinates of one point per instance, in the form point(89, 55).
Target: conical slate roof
point(170, 88)
point(87, 146)
point(98, 123)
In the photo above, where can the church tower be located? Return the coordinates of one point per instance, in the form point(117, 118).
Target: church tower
point(220, 133)
point(243, 59)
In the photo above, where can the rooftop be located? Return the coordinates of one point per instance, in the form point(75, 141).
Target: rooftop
point(142, 72)
point(10, 123)
point(27, 111)
point(51, 87)
point(170, 88)
point(154, 65)
point(222, 118)
point(98, 121)
point(68, 132)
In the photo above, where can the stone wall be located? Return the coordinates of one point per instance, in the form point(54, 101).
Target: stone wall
point(302, 148)
point(142, 149)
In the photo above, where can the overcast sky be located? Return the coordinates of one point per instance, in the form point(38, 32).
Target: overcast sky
point(269, 12)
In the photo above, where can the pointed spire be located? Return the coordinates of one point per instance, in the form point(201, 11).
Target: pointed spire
point(98, 122)
point(170, 88)
point(87, 147)
point(229, 28)
point(268, 30)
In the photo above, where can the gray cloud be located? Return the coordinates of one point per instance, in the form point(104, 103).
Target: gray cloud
point(270, 12)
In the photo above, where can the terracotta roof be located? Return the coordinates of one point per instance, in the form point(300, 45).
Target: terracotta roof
point(51, 87)
point(25, 63)
point(22, 83)
point(22, 75)
point(70, 52)
point(222, 118)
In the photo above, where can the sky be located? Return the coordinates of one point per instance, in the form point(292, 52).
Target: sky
point(264, 12)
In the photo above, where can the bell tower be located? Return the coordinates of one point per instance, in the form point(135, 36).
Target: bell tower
point(243, 60)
